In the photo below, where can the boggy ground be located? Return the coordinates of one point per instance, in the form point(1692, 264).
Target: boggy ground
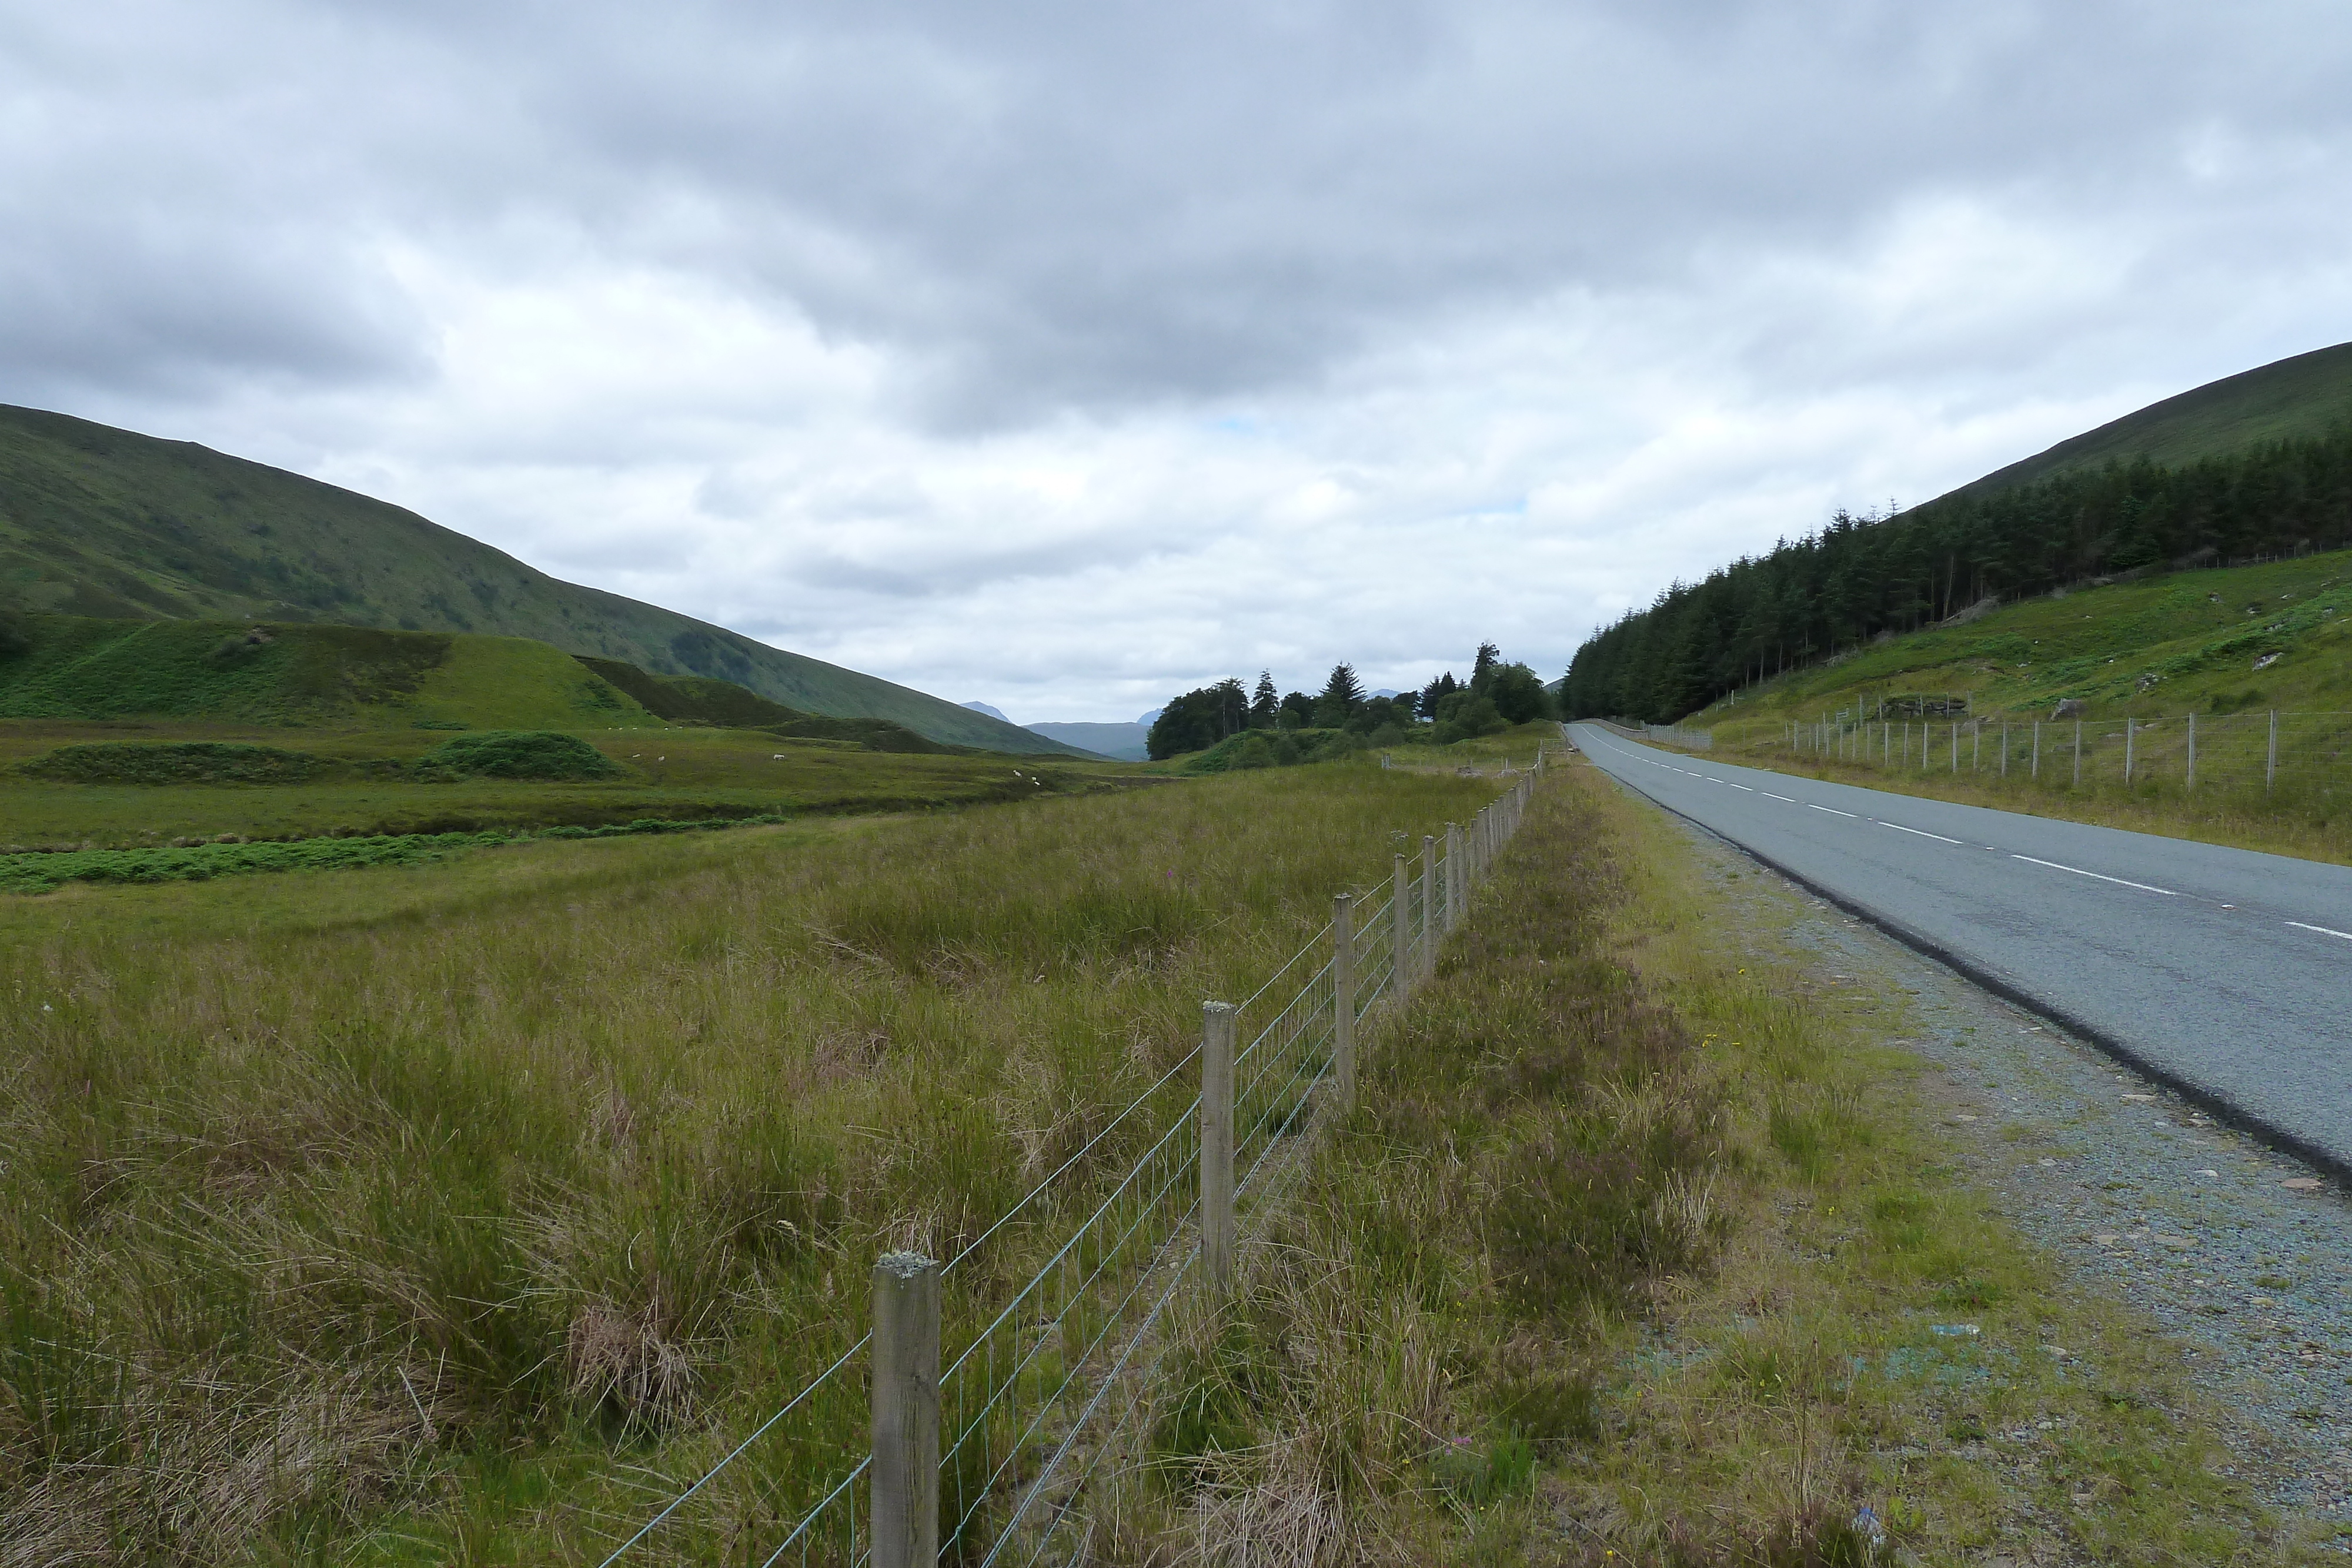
point(467, 1212)
point(1652, 1240)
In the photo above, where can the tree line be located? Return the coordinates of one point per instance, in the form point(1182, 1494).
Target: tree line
point(1496, 695)
point(1864, 576)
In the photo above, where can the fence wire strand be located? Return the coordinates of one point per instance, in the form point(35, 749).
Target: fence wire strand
point(1020, 1398)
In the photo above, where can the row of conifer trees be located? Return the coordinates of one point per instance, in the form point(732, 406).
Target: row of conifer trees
point(1861, 576)
point(1496, 695)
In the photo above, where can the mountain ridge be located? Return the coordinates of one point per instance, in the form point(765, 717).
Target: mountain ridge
point(104, 523)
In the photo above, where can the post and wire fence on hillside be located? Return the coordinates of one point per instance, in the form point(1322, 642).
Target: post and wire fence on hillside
point(992, 1421)
point(2266, 752)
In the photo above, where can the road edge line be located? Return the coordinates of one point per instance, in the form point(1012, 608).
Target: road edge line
point(2221, 1106)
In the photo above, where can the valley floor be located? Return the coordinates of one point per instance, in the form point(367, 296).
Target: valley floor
point(461, 1213)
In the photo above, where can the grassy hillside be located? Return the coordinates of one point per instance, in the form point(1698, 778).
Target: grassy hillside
point(2255, 468)
point(103, 523)
point(2259, 658)
point(2179, 642)
point(2292, 399)
point(238, 672)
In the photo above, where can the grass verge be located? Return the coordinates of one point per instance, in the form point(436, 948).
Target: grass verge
point(1637, 1251)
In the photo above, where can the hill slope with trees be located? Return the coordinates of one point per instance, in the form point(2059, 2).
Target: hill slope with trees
point(2003, 537)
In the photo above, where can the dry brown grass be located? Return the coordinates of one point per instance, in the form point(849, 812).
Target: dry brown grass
point(592, 1159)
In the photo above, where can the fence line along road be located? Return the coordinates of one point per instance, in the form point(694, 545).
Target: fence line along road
point(2269, 751)
point(988, 1445)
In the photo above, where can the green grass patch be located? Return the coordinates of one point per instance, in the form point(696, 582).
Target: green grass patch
point(539, 754)
point(177, 762)
point(46, 872)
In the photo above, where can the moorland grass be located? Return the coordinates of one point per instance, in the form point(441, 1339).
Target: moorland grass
point(1628, 1254)
point(370, 782)
point(468, 1227)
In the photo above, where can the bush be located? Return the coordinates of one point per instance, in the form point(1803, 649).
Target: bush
point(521, 753)
point(177, 762)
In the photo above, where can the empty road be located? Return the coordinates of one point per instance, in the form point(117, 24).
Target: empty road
point(2227, 972)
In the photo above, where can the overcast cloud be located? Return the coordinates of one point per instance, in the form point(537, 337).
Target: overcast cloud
point(1066, 356)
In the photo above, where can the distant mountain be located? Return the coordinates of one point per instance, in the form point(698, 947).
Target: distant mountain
point(1123, 742)
point(1149, 719)
point(983, 708)
point(108, 523)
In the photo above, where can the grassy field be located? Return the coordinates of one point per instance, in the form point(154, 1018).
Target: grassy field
point(1631, 1255)
point(668, 772)
point(446, 1213)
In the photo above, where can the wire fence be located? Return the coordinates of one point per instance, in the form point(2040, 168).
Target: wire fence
point(1045, 1386)
point(2261, 752)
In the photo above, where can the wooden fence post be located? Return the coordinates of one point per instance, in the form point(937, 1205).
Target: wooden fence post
point(1343, 998)
point(2192, 751)
point(1428, 903)
point(906, 1475)
point(1217, 1146)
point(1455, 883)
point(2270, 763)
point(1400, 921)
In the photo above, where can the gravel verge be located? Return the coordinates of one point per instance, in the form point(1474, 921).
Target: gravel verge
point(2238, 1253)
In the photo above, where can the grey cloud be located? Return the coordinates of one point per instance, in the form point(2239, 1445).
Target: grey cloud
point(1047, 207)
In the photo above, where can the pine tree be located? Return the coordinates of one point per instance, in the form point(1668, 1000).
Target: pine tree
point(1342, 695)
point(1263, 702)
point(1484, 667)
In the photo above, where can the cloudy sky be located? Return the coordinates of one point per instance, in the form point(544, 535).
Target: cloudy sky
point(1066, 356)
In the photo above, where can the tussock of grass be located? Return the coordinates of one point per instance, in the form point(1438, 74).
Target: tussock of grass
point(557, 1196)
point(1632, 1255)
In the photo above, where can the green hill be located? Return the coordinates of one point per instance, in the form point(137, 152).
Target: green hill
point(2306, 396)
point(2256, 468)
point(2181, 643)
point(106, 523)
point(356, 678)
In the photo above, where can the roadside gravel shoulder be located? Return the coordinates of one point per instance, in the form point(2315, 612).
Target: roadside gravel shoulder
point(2238, 1254)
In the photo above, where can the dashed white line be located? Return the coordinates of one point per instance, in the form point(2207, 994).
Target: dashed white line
point(1832, 811)
point(1921, 831)
point(2323, 930)
point(2078, 871)
point(1790, 798)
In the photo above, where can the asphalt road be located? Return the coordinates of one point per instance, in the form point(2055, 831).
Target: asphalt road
point(2226, 972)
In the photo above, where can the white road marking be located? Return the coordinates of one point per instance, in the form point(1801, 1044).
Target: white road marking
point(1741, 787)
point(2323, 930)
point(1790, 798)
point(1832, 811)
point(2078, 871)
point(1921, 831)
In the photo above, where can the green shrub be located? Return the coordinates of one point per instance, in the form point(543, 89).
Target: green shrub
point(176, 762)
point(521, 753)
